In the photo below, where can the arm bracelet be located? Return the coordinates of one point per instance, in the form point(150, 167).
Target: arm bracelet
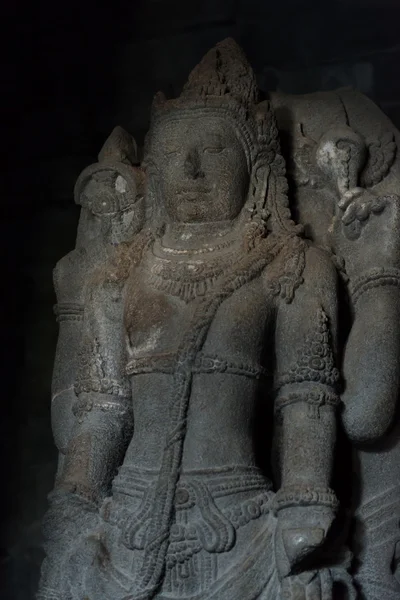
point(377, 277)
point(86, 402)
point(313, 399)
point(304, 496)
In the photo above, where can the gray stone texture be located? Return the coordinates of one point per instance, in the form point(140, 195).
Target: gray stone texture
point(216, 346)
point(88, 91)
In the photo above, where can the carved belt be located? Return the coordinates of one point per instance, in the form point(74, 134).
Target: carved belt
point(211, 528)
point(204, 363)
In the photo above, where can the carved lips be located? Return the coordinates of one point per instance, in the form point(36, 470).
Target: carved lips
point(193, 194)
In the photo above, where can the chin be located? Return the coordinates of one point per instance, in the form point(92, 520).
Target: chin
point(193, 212)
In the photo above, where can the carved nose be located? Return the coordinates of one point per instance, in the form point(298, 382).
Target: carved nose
point(192, 166)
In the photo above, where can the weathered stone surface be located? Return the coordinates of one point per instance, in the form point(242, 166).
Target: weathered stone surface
point(205, 337)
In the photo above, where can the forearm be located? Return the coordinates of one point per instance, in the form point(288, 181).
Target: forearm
point(307, 422)
point(102, 429)
point(371, 365)
point(98, 442)
point(304, 503)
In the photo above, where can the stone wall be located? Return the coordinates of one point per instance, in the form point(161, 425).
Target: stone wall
point(74, 77)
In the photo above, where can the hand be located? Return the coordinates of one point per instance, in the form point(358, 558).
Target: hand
point(300, 531)
point(365, 230)
point(70, 521)
point(69, 517)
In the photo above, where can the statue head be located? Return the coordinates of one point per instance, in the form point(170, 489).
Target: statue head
point(210, 152)
point(203, 174)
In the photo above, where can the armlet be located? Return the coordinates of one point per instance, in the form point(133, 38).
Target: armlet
point(315, 360)
point(85, 403)
point(377, 277)
point(314, 400)
point(292, 496)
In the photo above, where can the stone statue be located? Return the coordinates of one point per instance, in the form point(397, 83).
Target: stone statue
point(216, 374)
point(110, 194)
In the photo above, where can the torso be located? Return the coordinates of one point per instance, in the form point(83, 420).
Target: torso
point(229, 372)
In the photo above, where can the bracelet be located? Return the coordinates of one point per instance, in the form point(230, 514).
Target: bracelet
point(377, 277)
point(313, 399)
point(304, 496)
point(86, 403)
point(68, 311)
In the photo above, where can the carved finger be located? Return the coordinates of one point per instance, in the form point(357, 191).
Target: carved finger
point(350, 214)
point(348, 197)
point(379, 204)
point(364, 210)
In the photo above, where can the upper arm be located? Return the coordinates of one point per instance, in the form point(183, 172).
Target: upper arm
point(102, 353)
point(306, 329)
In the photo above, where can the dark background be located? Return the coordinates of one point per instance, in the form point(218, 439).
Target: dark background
point(71, 72)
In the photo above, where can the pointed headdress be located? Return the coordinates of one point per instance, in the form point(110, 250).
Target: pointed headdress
point(224, 83)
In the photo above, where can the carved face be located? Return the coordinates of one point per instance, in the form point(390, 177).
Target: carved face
point(202, 169)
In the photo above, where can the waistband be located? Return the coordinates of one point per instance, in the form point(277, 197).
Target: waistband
point(198, 515)
point(220, 480)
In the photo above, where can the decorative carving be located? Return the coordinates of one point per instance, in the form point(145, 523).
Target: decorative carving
point(315, 362)
point(375, 278)
point(195, 323)
point(305, 496)
point(381, 155)
point(312, 160)
point(93, 375)
point(356, 214)
point(166, 363)
point(68, 311)
point(314, 399)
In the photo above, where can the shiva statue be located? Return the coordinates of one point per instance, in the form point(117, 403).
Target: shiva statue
point(210, 386)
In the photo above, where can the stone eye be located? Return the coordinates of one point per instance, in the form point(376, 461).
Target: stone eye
point(213, 150)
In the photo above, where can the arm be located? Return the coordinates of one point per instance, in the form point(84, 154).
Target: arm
point(305, 409)
point(103, 413)
point(371, 365)
point(101, 432)
point(367, 236)
point(70, 281)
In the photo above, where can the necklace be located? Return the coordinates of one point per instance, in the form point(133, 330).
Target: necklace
point(194, 275)
point(186, 251)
